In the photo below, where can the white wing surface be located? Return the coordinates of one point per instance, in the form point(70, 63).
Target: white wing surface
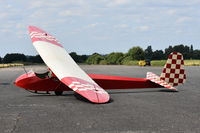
point(64, 67)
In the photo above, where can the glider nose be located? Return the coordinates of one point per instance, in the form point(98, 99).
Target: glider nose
point(21, 81)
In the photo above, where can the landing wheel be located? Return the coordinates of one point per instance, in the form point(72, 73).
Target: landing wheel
point(58, 93)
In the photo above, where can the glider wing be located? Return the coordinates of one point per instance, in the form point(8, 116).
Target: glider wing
point(64, 67)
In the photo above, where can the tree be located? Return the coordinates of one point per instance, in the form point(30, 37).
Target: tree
point(191, 52)
point(103, 62)
point(168, 51)
point(126, 60)
point(75, 57)
point(78, 58)
point(0, 60)
point(34, 59)
point(95, 59)
point(83, 58)
point(158, 55)
point(14, 57)
point(148, 53)
point(114, 58)
point(136, 53)
point(196, 54)
point(185, 50)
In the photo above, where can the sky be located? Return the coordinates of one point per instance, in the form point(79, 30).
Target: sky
point(102, 26)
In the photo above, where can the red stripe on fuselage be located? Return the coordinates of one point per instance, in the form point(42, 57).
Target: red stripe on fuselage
point(115, 82)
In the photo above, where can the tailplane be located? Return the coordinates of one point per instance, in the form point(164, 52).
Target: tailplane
point(173, 73)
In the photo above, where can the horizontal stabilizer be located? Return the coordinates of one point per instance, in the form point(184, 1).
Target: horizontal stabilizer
point(156, 79)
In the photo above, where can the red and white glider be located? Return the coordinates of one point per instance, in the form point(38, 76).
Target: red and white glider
point(65, 74)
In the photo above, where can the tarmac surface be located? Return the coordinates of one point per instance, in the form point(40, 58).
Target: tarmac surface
point(131, 111)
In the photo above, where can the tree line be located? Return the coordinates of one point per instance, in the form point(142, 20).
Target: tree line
point(137, 53)
point(134, 53)
point(20, 58)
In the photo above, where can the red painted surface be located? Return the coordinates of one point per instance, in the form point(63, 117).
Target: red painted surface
point(30, 81)
point(37, 34)
point(91, 91)
point(115, 82)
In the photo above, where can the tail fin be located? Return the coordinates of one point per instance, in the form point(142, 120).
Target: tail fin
point(173, 71)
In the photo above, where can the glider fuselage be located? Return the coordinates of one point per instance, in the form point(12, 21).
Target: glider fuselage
point(30, 81)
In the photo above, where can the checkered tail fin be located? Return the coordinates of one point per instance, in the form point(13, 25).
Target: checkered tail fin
point(173, 71)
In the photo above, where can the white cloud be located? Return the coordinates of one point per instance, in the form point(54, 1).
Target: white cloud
point(3, 15)
point(172, 11)
point(21, 34)
point(144, 28)
point(101, 37)
point(183, 19)
point(93, 25)
point(121, 26)
point(179, 31)
point(45, 4)
point(8, 6)
point(5, 30)
point(70, 13)
point(56, 4)
point(119, 17)
point(20, 26)
point(37, 4)
point(113, 3)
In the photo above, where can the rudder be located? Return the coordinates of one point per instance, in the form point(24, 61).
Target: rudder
point(173, 71)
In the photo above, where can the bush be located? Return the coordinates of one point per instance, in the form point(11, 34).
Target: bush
point(103, 62)
point(126, 60)
point(15, 57)
point(34, 59)
point(95, 59)
point(114, 58)
point(136, 53)
point(78, 58)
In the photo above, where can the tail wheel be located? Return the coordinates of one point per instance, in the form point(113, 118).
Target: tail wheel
point(58, 93)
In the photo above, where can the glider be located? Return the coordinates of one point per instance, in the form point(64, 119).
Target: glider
point(65, 75)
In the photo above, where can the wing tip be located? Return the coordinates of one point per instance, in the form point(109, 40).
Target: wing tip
point(87, 89)
point(32, 28)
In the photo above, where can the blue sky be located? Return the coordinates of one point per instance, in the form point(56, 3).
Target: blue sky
point(103, 26)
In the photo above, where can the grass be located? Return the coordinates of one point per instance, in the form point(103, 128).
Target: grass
point(134, 63)
point(158, 62)
point(10, 65)
point(153, 63)
point(162, 63)
point(192, 62)
point(187, 62)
